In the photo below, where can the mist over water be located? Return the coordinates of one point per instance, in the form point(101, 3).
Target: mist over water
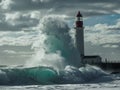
point(54, 46)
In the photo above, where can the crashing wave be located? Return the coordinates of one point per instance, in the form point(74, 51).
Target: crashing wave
point(48, 75)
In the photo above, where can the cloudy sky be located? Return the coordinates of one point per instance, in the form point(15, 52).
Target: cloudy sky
point(19, 19)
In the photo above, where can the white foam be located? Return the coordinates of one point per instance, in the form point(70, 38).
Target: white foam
point(87, 74)
point(54, 46)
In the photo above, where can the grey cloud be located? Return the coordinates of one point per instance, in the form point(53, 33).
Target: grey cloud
point(7, 27)
point(104, 52)
point(111, 45)
point(17, 21)
point(114, 29)
point(17, 38)
point(47, 7)
point(15, 54)
point(22, 4)
point(104, 35)
point(88, 7)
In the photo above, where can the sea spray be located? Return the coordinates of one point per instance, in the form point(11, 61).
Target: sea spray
point(54, 46)
point(87, 74)
point(48, 60)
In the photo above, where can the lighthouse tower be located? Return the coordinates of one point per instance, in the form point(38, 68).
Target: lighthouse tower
point(80, 42)
point(79, 34)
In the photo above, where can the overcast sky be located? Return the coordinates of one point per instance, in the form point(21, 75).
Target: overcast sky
point(101, 21)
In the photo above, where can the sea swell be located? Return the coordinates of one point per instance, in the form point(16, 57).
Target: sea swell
point(47, 75)
point(27, 76)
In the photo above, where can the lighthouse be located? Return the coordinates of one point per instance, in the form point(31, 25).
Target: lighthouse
point(79, 37)
point(79, 34)
point(91, 59)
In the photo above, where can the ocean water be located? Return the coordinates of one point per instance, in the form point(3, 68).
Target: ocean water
point(56, 64)
point(47, 78)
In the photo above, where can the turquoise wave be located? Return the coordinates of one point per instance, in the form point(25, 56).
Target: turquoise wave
point(27, 76)
point(48, 75)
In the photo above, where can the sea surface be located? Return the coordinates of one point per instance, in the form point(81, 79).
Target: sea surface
point(47, 78)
